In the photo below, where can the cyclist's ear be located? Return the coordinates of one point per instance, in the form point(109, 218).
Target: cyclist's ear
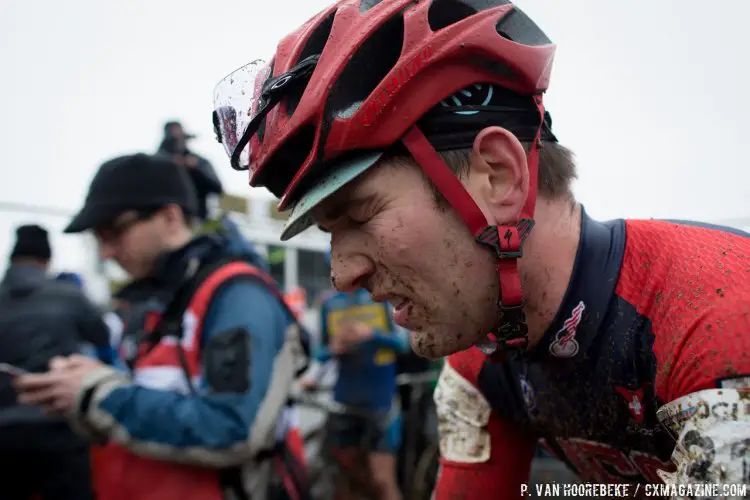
point(499, 174)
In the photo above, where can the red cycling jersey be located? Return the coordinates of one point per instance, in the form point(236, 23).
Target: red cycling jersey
point(655, 310)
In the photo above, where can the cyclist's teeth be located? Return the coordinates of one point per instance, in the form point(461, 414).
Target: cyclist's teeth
point(397, 303)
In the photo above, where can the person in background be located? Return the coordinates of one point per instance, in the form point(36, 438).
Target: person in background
point(72, 278)
point(201, 172)
point(196, 416)
point(206, 183)
point(296, 299)
point(40, 319)
point(106, 353)
point(360, 334)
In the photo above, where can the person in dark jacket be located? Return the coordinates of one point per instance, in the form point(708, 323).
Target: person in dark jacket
point(216, 352)
point(106, 353)
point(202, 173)
point(40, 319)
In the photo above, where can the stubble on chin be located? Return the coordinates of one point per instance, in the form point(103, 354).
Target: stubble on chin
point(425, 346)
point(435, 346)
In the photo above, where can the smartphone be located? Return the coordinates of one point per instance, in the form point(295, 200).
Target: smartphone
point(12, 370)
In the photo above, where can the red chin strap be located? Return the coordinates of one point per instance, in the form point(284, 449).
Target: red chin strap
point(505, 241)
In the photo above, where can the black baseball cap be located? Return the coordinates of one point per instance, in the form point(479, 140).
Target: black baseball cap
point(174, 123)
point(134, 182)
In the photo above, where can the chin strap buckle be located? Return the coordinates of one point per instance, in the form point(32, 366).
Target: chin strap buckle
point(512, 334)
point(513, 331)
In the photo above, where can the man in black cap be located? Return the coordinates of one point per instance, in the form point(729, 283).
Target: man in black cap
point(174, 145)
point(40, 319)
point(217, 348)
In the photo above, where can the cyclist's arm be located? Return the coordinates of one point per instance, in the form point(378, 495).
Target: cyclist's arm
point(242, 336)
point(482, 455)
point(700, 371)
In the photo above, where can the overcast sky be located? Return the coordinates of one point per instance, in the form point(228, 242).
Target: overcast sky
point(650, 95)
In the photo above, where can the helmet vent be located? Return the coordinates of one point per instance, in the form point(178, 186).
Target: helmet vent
point(518, 27)
point(314, 45)
point(368, 66)
point(444, 13)
point(286, 161)
point(365, 5)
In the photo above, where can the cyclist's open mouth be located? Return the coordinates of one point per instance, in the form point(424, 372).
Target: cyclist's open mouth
point(401, 311)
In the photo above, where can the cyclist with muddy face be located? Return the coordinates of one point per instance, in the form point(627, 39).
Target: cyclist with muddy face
point(416, 134)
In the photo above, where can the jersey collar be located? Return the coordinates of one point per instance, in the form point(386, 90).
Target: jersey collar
point(590, 291)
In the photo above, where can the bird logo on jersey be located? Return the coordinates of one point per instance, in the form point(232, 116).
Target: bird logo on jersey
point(565, 344)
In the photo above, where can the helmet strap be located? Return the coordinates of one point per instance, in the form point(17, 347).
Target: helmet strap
point(506, 241)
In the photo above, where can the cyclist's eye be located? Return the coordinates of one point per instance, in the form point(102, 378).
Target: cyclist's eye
point(362, 213)
point(358, 219)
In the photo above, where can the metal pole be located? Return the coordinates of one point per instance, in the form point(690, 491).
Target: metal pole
point(11, 206)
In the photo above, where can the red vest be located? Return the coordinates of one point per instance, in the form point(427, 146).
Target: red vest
point(122, 475)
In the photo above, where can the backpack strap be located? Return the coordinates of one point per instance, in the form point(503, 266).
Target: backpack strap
point(170, 321)
point(204, 283)
point(207, 279)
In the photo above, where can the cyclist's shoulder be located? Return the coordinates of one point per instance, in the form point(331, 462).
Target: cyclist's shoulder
point(664, 238)
point(688, 284)
point(667, 263)
point(465, 365)
point(458, 394)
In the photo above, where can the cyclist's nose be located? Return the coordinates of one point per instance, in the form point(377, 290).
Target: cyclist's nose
point(350, 273)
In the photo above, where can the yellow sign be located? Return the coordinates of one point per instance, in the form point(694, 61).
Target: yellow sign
point(273, 211)
point(234, 203)
point(374, 316)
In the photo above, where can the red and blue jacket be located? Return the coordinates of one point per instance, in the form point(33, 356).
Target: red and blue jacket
point(190, 410)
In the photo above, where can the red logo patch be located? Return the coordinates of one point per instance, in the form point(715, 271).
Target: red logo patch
point(635, 402)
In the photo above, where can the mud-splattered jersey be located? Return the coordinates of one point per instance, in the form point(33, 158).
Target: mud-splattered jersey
point(655, 310)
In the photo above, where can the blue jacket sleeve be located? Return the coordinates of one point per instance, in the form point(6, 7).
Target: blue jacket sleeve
point(106, 355)
point(207, 429)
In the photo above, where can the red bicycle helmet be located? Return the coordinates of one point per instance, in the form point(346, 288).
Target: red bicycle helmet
point(355, 80)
